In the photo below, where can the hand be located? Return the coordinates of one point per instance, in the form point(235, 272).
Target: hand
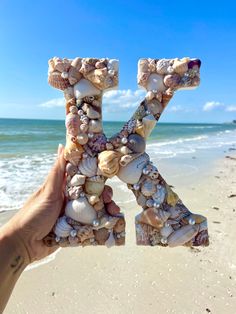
point(37, 217)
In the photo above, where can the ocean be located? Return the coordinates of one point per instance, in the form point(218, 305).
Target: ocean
point(28, 149)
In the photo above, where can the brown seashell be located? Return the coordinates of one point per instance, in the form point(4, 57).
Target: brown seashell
point(162, 66)
point(112, 208)
point(85, 233)
point(148, 187)
point(197, 218)
point(101, 235)
point(72, 124)
point(180, 66)
point(77, 63)
point(55, 80)
point(107, 194)
point(165, 99)
point(86, 68)
point(61, 65)
point(140, 130)
point(201, 238)
point(99, 205)
point(108, 163)
point(120, 225)
point(172, 80)
point(74, 75)
point(149, 217)
point(120, 240)
point(172, 198)
point(73, 152)
point(142, 233)
point(69, 94)
point(182, 235)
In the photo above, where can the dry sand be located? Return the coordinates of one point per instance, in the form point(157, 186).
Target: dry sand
point(134, 279)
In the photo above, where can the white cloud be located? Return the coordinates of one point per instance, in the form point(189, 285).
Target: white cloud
point(211, 105)
point(175, 108)
point(230, 108)
point(55, 102)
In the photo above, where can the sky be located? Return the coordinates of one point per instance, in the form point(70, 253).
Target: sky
point(31, 32)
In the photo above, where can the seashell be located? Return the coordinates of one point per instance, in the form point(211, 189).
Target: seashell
point(110, 241)
point(166, 231)
point(72, 124)
point(172, 80)
point(203, 226)
point(162, 66)
point(108, 163)
point(83, 127)
point(152, 65)
point(194, 64)
point(141, 200)
point(155, 83)
point(132, 172)
point(76, 63)
point(180, 66)
point(95, 126)
point(113, 64)
point(120, 225)
point(160, 194)
point(101, 235)
point(93, 199)
point(124, 150)
point(62, 228)
point(69, 93)
point(142, 233)
point(107, 194)
point(136, 143)
point(71, 169)
point(194, 217)
point(163, 214)
point(112, 208)
point(78, 179)
point(88, 166)
point(80, 210)
point(74, 75)
point(201, 238)
point(82, 138)
point(172, 198)
point(61, 65)
point(74, 241)
point(149, 123)
point(175, 212)
point(74, 192)
point(148, 188)
point(84, 233)
point(99, 206)
point(126, 159)
point(98, 142)
point(93, 187)
point(85, 88)
point(100, 78)
point(155, 107)
point(99, 65)
point(93, 114)
point(86, 68)
point(143, 72)
point(149, 217)
point(166, 98)
point(73, 152)
point(182, 235)
point(55, 80)
point(140, 130)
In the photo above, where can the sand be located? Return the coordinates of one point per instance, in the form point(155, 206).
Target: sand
point(134, 279)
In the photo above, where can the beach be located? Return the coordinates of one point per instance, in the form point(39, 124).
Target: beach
point(135, 279)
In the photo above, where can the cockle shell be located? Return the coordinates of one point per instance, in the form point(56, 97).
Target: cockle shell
point(108, 163)
point(72, 124)
point(77, 179)
point(149, 217)
point(55, 80)
point(136, 143)
point(62, 228)
point(182, 235)
point(148, 188)
point(180, 66)
point(132, 172)
point(85, 88)
point(94, 187)
point(166, 231)
point(80, 210)
point(149, 123)
point(71, 169)
point(162, 66)
point(155, 83)
point(171, 80)
point(160, 194)
point(73, 152)
point(95, 126)
point(88, 166)
point(82, 138)
point(112, 208)
point(172, 198)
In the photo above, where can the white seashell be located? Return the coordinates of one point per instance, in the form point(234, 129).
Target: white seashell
point(62, 228)
point(110, 241)
point(166, 231)
point(82, 138)
point(160, 194)
point(182, 235)
point(95, 126)
point(132, 172)
point(88, 166)
point(113, 65)
point(155, 82)
point(85, 88)
point(80, 210)
point(93, 114)
point(149, 123)
point(148, 188)
point(77, 179)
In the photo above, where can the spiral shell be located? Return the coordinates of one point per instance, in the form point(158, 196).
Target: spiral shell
point(108, 163)
point(55, 80)
point(62, 228)
point(148, 188)
point(88, 166)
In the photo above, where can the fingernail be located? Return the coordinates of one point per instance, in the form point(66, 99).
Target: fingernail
point(59, 150)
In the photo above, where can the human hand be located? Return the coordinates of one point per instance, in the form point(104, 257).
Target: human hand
point(37, 217)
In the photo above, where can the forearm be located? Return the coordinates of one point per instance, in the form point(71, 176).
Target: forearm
point(13, 260)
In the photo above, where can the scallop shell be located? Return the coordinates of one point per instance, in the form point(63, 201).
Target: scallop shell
point(172, 80)
point(95, 126)
point(160, 194)
point(81, 211)
point(132, 172)
point(182, 235)
point(108, 163)
point(93, 187)
point(155, 83)
point(162, 66)
point(172, 198)
point(85, 88)
point(149, 217)
point(72, 124)
point(55, 80)
point(148, 188)
point(180, 66)
point(62, 228)
point(77, 179)
point(136, 143)
point(149, 123)
point(88, 166)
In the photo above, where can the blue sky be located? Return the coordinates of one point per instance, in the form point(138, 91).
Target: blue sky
point(31, 32)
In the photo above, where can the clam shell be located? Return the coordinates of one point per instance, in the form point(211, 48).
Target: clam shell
point(95, 126)
point(132, 172)
point(77, 179)
point(160, 194)
point(88, 166)
point(62, 228)
point(155, 83)
point(136, 143)
point(149, 217)
point(108, 163)
point(148, 188)
point(85, 88)
point(182, 235)
point(81, 211)
point(55, 80)
point(162, 66)
point(93, 187)
point(171, 80)
point(149, 123)
point(72, 124)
